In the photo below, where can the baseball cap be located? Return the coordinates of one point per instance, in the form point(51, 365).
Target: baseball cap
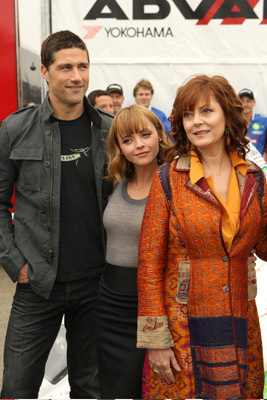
point(114, 87)
point(246, 92)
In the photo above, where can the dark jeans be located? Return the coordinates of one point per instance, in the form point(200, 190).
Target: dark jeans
point(33, 326)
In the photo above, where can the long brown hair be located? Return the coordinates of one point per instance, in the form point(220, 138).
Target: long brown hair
point(126, 122)
point(203, 86)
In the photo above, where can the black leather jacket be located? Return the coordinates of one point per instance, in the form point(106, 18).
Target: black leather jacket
point(30, 160)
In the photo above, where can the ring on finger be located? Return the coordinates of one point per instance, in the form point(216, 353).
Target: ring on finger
point(168, 371)
point(156, 370)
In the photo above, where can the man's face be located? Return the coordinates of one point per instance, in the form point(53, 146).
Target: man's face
point(248, 104)
point(67, 77)
point(117, 99)
point(105, 102)
point(143, 97)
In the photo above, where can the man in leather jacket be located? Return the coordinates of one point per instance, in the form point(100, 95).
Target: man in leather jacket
point(54, 155)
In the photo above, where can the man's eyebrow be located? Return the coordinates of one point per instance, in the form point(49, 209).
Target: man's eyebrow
point(68, 64)
point(63, 64)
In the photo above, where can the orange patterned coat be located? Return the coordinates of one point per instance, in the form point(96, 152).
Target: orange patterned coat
point(195, 296)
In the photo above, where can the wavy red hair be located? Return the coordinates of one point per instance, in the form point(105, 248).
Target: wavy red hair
point(202, 87)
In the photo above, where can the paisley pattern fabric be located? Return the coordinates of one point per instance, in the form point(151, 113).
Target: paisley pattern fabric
point(195, 292)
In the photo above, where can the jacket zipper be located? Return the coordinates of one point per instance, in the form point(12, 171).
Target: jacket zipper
point(50, 251)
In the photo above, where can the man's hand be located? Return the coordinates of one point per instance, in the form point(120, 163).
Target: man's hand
point(23, 274)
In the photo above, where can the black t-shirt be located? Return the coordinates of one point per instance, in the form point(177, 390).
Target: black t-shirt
point(81, 251)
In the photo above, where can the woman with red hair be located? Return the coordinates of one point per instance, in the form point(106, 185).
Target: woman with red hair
point(205, 213)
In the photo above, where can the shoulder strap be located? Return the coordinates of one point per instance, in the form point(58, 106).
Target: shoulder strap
point(165, 180)
point(259, 176)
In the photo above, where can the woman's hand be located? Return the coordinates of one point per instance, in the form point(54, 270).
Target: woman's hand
point(252, 258)
point(162, 361)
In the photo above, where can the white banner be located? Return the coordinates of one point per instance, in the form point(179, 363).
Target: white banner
point(170, 31)
point(166, 41)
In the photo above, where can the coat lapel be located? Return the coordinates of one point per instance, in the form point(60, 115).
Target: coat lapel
point(248, 185)
point(201, 188)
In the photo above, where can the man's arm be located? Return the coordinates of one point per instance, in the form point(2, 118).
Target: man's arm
point(10, 257)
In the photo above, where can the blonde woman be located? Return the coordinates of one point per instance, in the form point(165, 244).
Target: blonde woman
point(135, 147)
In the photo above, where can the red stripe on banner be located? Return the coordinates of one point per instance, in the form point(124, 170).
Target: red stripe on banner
point(227, 21)
point(233, 21)
point(253, 3)
point(238, 21)
point(210, 14)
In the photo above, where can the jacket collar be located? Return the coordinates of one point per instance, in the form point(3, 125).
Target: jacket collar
point(247, 183)
point(47, 110)
point(93, 113)
point(184, 163)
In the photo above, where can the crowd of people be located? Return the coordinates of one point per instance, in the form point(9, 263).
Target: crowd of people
point(142, 93)
point(140, 230)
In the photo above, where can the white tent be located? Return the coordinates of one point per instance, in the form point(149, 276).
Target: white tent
point(164, 41)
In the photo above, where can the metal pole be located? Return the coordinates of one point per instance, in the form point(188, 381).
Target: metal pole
point(18, 61)
point(46, 21)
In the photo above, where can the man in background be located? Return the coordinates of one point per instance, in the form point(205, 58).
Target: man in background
point(101, 99)
point(116, 92)
point(257, 123)
point(143, 93)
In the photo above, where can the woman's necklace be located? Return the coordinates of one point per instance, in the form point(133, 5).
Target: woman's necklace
point(136, 187)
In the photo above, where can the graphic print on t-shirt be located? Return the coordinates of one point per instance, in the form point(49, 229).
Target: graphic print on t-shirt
point(78, 153)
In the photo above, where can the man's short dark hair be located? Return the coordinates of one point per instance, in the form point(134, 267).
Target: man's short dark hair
point(58, 41)
point(96, 93)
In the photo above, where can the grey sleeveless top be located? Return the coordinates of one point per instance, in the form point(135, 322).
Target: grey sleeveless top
point(122, 220)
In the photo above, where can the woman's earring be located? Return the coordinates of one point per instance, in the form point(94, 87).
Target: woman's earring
point(226, 131)
point(227, 136)
point(160, 140)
